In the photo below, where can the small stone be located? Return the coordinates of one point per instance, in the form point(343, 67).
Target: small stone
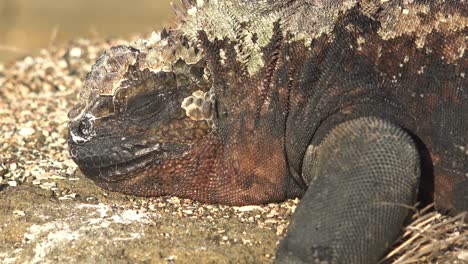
point(175, 200)
point(70, 196)
point(62, 64)
point(69, 163)
point(246, 241)
point(271, 214)
point(74, 179)
point(280, 230)
point(75, 52)
point(26, 131)
point(57, 177)
point(28, 236)
point(12, 183)
point(171, 258)
point(188, 212)
point(36, 182)
point(192, 11)
point(48, 185)
point(19, 213)
point(13, 166)
point(463, 255)
point(247, 208)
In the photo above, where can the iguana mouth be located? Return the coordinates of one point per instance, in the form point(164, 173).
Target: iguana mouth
point(115, 163)
point(115, 172)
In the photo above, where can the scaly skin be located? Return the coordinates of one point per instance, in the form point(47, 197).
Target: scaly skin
point(354, 105)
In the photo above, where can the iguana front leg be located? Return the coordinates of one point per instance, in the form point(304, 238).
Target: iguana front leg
point(362, 181)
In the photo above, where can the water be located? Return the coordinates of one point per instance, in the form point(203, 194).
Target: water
point(28, 25)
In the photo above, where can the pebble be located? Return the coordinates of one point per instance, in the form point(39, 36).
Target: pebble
point(19, 213)
point(70, 196)
point(26, 131)
point(247, 208)
point(75, 52)
point(48, 185)
point(188, 212)
point(12, 183)
point(13, 167)
point(36, 182)
point(463, 255)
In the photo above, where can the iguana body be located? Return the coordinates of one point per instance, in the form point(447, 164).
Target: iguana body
point(350, 104)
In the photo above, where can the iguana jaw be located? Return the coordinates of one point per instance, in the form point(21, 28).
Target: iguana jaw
point(120, 162)
point(111, 166)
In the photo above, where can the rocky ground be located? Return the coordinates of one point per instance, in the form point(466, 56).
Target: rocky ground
point(50, 213)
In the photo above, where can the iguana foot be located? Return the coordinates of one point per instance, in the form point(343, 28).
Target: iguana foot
point(362, 181)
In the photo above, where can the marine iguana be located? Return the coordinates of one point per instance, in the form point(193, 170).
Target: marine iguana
point(358, 107)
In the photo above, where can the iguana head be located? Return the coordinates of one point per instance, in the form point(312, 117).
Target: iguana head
point(176, 114)
point(139, 104)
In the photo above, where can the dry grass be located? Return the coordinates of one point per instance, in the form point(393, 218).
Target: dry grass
point(431, 237)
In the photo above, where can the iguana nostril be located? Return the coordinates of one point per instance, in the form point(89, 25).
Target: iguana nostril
point(73, 153)
point(85, 128)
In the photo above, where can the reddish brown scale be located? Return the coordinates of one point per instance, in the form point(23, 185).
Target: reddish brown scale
point(447, 184)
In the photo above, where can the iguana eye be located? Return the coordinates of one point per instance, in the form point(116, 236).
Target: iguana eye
point(85, 128)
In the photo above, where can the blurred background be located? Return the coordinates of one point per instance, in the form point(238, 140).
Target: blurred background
point(29, 25)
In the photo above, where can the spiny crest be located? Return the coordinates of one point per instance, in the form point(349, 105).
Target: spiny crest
point(250, 24)
point(305, 20)
point(243, 23)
